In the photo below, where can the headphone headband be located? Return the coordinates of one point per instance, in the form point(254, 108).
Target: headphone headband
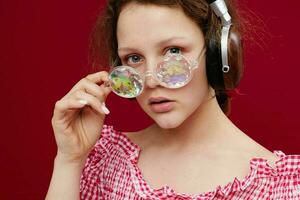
point(220, 9)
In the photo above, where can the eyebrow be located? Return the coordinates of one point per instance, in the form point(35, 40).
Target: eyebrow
point(161, 43)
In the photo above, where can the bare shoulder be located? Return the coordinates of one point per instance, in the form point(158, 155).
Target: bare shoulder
point(135, 137)
point(141, 137)
point(251, 149)
point(262, 152)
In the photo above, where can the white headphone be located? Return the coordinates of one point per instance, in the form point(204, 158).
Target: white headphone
point(220, 9)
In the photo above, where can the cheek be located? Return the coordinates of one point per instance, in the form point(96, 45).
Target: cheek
point(196, 91)
point(198, 86)
point(141, 101)
point(193, 99)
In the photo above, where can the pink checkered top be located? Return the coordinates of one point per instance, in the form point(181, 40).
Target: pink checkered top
point(111, 173)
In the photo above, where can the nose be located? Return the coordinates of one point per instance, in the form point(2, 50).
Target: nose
point(150, 80)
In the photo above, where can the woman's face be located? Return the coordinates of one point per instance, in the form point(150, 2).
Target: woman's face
point(145, 33)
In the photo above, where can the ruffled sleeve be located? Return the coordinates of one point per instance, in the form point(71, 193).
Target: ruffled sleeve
point(91, 173)
point(285, 176)
point(263, 182)
point(111, 172)
point(106, 164)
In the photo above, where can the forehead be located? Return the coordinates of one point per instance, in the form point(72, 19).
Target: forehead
point(149, 22)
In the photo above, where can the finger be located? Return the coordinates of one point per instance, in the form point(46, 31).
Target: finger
point(106, 88)
point(77, 101)
point(98, 77)
point(100, 92)
point(92, 89)
point(63, 106)
point(92, 79)
point(90, 100)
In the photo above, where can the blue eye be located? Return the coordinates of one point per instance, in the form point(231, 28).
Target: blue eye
point(174, 50)
point(133, 59)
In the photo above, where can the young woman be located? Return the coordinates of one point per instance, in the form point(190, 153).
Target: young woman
point(179, 74)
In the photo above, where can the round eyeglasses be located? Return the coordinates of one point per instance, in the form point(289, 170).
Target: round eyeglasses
point(175, 71)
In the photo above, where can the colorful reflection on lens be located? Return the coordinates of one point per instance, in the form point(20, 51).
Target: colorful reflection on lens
point(126, 82)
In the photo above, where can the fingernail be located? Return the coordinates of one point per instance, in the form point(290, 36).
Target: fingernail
point(82, 101)
point(105, 109)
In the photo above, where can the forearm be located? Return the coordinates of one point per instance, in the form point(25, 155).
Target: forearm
point(65, 181)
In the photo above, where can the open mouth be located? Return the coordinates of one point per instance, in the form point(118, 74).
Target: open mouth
point(159, 100)
point(161, 104)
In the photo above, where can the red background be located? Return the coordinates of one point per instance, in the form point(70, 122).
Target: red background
point(43, 52)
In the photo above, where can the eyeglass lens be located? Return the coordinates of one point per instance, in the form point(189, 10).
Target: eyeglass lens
point(173, 72)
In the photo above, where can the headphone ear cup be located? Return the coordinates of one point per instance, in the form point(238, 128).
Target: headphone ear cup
point(235, 59)
point(215, 74)
point(214, 64)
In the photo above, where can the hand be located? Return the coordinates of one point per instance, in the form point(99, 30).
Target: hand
point(78, 117)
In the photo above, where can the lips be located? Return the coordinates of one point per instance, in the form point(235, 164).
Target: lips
point(156, 100)
point(161, 104)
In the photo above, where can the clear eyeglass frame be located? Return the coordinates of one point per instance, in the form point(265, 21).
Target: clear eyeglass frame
point(175, 71)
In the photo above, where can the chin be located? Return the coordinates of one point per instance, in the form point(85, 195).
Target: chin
point(170, 123)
